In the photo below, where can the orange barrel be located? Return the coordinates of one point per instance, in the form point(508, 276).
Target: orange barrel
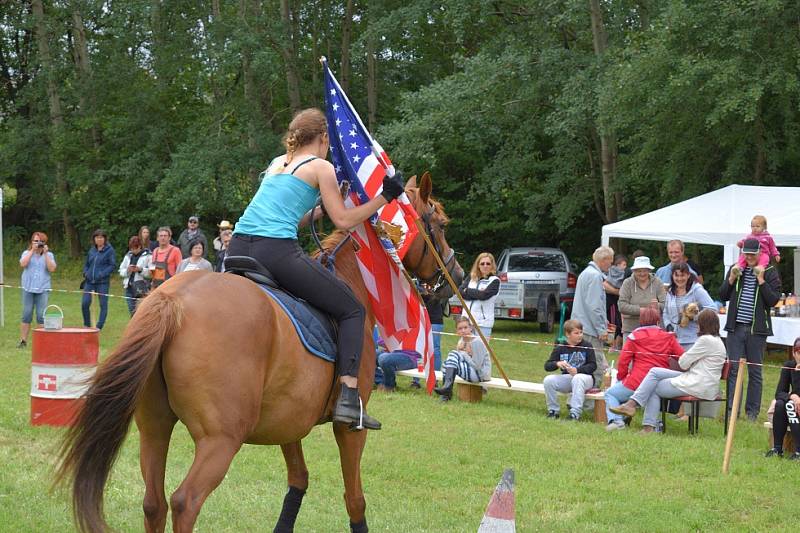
point(63, 361)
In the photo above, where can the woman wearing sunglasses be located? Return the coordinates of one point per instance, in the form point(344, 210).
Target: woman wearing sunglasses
point(480, 291)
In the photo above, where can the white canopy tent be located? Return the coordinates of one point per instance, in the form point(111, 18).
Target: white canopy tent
point(719, 217)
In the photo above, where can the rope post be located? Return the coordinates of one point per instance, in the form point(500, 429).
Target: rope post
point(460, 299)
point(737, 398)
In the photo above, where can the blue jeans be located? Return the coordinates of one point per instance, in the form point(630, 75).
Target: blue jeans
point(616, 396)
point(132, 302)
point(437, 345)
point(656, 384)
point(391, 362)
point(102, 290)
point(742, 343)
point(29, 300)
point(437, 348)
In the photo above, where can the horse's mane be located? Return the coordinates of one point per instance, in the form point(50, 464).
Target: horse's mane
point(331, 241)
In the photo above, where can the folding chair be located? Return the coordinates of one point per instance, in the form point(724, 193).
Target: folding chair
point(694, 417)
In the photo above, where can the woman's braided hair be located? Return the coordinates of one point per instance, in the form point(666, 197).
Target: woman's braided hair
point(304, 128)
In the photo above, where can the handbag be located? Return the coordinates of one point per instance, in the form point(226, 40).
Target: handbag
point(140, 288)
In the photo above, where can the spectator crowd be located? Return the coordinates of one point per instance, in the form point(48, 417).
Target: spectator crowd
point(145, 265)
point(662, 321)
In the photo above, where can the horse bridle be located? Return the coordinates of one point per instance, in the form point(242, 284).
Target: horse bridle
point(438, 279)
point(436, 282)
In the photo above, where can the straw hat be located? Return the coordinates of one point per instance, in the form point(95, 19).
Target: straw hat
point(225, 224)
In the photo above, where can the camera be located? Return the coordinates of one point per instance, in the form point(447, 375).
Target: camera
point(40, 245)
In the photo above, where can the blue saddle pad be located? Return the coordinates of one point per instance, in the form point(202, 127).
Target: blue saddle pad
point(315, 330)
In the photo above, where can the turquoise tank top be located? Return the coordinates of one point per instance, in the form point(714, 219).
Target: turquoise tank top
point(277, 207)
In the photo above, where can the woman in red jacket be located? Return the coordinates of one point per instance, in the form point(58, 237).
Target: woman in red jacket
point(646, 347)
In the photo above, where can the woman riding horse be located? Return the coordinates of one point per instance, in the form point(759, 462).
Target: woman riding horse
point(252, 383)
point(267, 232)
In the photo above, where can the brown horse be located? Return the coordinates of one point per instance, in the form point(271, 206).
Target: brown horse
point(252, 382)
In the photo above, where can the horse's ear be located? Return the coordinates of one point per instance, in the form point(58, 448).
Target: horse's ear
point(412, 182)
point(425, 187)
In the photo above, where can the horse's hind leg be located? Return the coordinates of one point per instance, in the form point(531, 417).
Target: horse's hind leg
point(351, 446)
point(212, 458)
point(297, 475)
point(155, 421)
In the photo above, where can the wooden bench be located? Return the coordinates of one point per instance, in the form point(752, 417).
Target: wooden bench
point(788, 442)
point(472, 392)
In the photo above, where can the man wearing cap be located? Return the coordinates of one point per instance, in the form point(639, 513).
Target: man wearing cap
point(640, 291)
point(189, 235)
point(748, 324)
point(675, 252)
point(223, 226)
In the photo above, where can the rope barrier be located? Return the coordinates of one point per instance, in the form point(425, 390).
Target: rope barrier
point(553, 344)
point(501, 339)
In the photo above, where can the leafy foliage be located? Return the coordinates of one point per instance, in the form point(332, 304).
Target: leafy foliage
point(505, 102)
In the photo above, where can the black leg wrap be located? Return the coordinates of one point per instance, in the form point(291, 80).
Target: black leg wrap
point(360, 527)
point(291, 506)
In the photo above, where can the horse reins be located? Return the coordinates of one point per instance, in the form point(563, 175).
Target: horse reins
point(449, 261)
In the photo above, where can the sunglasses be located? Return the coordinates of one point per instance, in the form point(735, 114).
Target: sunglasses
point(485, 264)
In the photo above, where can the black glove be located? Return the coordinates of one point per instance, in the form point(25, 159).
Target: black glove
point(393, 187)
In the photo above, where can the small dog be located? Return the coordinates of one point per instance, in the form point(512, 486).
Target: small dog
point(690, 312)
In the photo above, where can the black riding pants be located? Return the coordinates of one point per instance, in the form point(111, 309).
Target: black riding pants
point(784, 417)
point(307, 279)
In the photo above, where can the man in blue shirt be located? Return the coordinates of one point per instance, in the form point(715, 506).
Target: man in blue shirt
point(675, 253)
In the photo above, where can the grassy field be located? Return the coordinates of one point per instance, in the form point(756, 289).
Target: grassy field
point(432, 468)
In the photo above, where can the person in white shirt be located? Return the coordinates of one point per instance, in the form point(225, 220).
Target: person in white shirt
point(702, 365)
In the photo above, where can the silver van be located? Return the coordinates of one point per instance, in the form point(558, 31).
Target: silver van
point(539, 265)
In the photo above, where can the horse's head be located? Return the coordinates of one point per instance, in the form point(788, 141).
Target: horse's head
point(419, 260)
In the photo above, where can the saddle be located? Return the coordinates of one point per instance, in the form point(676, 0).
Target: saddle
point(316, 329)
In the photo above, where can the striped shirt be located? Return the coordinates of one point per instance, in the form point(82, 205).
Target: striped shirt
point(747, 297)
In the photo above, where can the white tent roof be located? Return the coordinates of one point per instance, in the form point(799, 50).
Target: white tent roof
point(719, 217)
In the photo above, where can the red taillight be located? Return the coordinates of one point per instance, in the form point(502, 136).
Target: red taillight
point(455, 309)
point(503, 276)
point(514, 313)
point(572, 280)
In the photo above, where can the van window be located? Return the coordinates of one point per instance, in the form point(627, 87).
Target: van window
point(536, 262)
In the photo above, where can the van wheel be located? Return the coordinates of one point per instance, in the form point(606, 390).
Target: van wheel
point(547, 326)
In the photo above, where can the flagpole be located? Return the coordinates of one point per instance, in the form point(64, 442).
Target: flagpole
point(443, 268)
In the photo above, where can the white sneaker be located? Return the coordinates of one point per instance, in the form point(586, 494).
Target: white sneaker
point(615, 425)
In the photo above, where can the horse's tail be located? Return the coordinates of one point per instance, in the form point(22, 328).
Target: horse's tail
point(92, 445)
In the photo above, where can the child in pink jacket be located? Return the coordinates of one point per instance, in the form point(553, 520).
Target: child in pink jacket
point(767, 247)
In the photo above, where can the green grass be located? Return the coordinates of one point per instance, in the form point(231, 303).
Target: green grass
point(432, 468)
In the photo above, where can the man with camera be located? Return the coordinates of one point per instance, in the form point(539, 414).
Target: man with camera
point(37, 263)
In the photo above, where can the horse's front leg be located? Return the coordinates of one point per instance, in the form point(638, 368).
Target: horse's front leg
point(351, 445)
point(297, 475)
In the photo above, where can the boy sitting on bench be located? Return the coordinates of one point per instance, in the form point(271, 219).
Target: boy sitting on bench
point(577, 362)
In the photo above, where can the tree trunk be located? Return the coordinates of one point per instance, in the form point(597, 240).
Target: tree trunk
point(57, 126)
point(347, 33)
point(608, 139)
point(289, 52)
point(250, 87)
point(87, 99)
point(372, 85)
point(760, 166)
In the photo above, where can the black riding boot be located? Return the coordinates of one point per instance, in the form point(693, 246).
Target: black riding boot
point(446, 390)
point(348, 410)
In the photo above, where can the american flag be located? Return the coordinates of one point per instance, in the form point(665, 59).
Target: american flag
point(358, 159)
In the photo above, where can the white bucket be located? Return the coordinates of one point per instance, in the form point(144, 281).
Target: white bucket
point(52, 320)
